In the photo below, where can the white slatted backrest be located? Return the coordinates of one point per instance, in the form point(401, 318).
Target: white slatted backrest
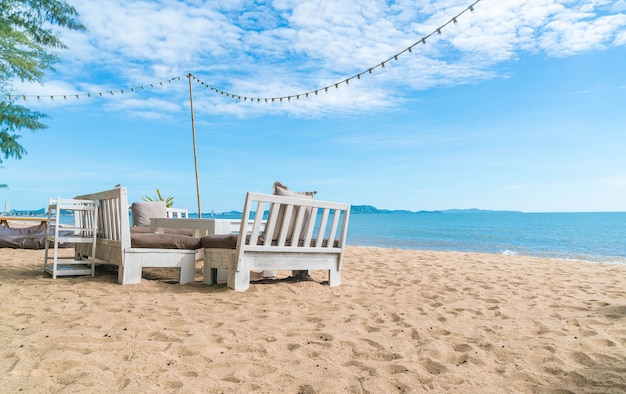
point(323, 230)
point(113, 220)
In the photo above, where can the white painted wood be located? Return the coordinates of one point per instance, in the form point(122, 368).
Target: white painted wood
point(113, 244)
point(177, 213)
point(320, 248)
point(83, 231)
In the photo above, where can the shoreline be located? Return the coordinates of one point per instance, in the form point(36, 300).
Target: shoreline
point(617, 260)
point(401, 321)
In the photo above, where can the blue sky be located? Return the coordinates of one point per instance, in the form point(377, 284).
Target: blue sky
point(517, 106)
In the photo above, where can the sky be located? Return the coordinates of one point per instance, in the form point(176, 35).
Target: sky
point(509, 105)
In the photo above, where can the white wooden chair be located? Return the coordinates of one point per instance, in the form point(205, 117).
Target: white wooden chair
point(82, 232)
point(300, 234)
point(113, 243)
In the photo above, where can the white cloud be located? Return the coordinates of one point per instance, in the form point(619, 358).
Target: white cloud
point(286, 47)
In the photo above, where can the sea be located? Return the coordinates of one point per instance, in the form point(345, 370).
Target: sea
point(595, 237)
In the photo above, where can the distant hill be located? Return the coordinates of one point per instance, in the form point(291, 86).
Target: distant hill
point(371, 209)
point(357, 209)
point(368, 209)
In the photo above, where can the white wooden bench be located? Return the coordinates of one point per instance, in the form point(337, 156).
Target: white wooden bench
point(300, 234)
point(113, 242)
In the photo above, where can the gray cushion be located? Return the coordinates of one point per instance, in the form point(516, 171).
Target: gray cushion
point(164, 241)
point(145, 230)
point(143, 211)
point(220, 241)
point(282, 190)
point(229, 241)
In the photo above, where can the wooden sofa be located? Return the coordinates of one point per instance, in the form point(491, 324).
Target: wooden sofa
point(300, 234)
point(113, 242)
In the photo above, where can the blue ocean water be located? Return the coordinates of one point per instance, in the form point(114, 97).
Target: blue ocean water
point(599, 237)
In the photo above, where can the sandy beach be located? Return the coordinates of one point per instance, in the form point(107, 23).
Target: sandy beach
point(402, 321)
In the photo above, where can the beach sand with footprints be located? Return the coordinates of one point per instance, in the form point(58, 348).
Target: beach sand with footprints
point(401, 321)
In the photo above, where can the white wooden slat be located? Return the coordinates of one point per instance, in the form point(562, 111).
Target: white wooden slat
point(333, 229)
point(258, 220)
point(311, 227)
point(284, 226)
point(271, 223)
point(322, 229)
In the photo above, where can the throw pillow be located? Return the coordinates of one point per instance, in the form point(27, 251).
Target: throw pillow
point(143, 211)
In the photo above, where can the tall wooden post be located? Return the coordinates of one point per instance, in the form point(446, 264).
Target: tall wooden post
point(195, 152)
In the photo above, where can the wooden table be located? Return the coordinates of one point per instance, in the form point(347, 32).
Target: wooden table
point(4, 220)
point(200, 227)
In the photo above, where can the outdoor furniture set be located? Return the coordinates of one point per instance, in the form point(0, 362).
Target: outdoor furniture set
point(284, 231)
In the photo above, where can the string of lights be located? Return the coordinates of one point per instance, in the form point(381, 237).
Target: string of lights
point(77, 96)
point(315, 92)
point(370, 70)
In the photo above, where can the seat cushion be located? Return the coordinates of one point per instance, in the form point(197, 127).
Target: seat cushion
point(229, 241)
point(219, 241)
point(164, 241)
point(146, 230)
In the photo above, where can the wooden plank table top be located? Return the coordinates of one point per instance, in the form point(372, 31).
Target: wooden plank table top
point(4, 220)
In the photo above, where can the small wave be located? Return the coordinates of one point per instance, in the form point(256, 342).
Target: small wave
point(509, 253)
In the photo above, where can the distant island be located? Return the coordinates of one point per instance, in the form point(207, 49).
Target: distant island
point(357, 209)
point(368, 209)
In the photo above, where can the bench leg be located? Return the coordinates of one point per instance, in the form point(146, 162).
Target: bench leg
point(188, 269)
point(334, 277)
point(130, 273)
point(239, 280)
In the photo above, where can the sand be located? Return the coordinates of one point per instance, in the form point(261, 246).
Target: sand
point(402, 321)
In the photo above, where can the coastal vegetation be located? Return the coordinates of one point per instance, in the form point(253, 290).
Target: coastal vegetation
point(169, 201)
point(28, 50)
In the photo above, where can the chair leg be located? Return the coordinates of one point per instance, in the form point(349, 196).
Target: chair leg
point(239, 280)
point(334, 277)
point(188, 269)
point(129, 273)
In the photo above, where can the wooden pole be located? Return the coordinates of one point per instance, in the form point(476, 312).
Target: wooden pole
point(195, 151)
